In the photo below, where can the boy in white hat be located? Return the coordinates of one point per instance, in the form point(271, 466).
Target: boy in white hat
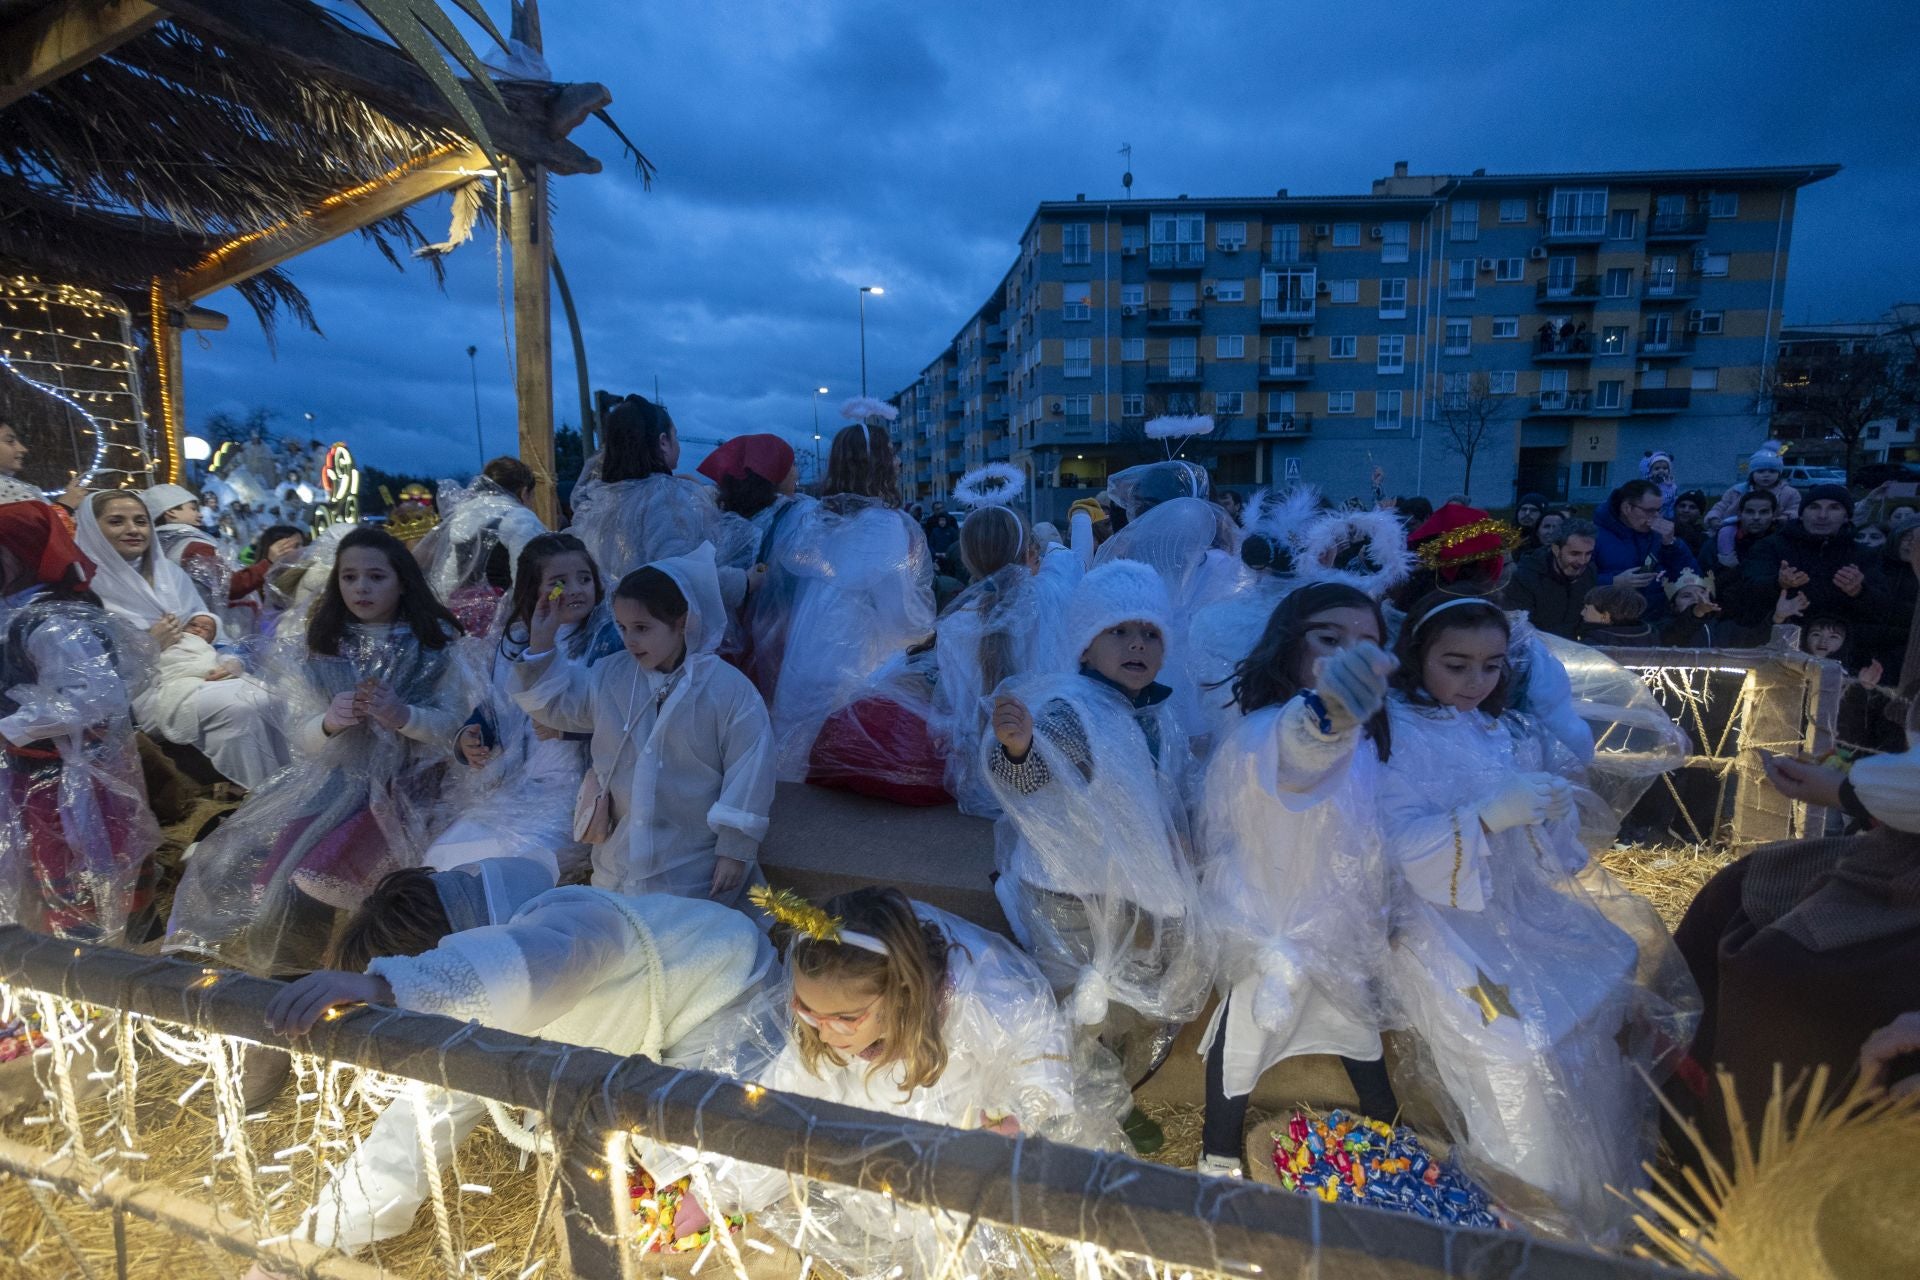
point(1089, 769)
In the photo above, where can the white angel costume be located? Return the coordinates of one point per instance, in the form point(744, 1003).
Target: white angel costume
point(653, 976)
point(1532, 1007)
point(481, 533)
point(857, 582)
point(1009, 1055)
point(631, 523)
point(232, 721)
point(685, 755)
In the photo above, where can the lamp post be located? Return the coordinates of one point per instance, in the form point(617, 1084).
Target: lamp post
point(865, 289)
point(817, 393)
point(480, 441)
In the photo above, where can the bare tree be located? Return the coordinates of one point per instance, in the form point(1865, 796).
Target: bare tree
point(1833, 390)
point(1467, 417)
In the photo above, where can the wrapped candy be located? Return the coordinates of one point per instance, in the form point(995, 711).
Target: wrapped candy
point(1348, 1159)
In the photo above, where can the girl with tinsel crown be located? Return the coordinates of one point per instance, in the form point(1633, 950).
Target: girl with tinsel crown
point(1095, 876)
point(375, 697)
point(1537, 999)
point(680, 774)
point(896, 1007)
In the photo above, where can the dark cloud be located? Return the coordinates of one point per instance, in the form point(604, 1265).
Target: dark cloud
point(805, 150)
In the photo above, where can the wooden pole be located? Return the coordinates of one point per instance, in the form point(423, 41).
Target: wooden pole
point(533, 328)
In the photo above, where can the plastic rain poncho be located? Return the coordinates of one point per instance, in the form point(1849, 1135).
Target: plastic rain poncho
point(1003, 626)
point(1009, 1055)
point(260, 892)
point(631, 523)
point(1095, 878)
point(652, 976)
point(476, 546)
point(1634, 739)
point(686, 754)
point(75, 829)
point(1296, 889)
point(1537, 1002)
point(857, 584)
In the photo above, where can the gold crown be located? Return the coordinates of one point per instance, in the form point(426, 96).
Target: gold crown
point(1433, 551)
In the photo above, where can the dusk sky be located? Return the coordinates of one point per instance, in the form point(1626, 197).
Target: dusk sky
point(807, 149)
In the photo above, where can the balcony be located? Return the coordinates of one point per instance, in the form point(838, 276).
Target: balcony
point(997, 411)
point(1672, 286)
point(1566, 346)
point(1664, 344)
point(956, 436)
point(1568, 290)
point(1677, 226)
point(1187, 317)
point(996, 337)
point(999, 449)
point(1577, 228)
point(1176, 257)
point(1662, 399)
point(955, 408)
point(1551, 404)
point(1286, 424)
point(997, 373)
point(1289, 255)
point(1299, 369)
point(1292, 309)
point(1175, 372)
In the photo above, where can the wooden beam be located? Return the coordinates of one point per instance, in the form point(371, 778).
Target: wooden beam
point(347, 212)
point(301, 38)
point(42, 47)
point(528, 234)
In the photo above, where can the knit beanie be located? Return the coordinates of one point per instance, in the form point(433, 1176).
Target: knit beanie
point(163, 498)
point(1116, 592)
point(1764, 460)
point(1828, 493)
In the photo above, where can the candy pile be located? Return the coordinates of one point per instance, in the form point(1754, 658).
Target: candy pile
point(17, 1040)
point(655, 1209)
point(1354, 1160)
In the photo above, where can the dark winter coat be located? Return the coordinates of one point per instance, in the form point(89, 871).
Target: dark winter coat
point(1750, 598)
point(1618, 549)
point(1552, 601)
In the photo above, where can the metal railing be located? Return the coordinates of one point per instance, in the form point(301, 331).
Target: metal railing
point(1661, 399)
point(1286, 424)
point(1568, 289)
point(1186, 315)
point(1677, 226)
point(1298, 369)
point(1571, 346)
point(1669, 342)
point(1184, 254)
point(1548, 402)
point(1577, 226)
point(1176, 371)
point(1293, 308)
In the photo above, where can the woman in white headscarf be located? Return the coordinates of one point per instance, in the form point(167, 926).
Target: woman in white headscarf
point(230, 718)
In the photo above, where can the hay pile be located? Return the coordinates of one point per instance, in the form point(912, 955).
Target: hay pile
point(1666, 875)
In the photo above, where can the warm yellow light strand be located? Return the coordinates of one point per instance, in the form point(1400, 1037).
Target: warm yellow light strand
point(164, 375)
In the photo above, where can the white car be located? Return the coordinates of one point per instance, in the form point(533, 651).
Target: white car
point(1800, 477)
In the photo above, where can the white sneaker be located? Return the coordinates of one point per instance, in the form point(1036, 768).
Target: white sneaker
point(1213, 1166)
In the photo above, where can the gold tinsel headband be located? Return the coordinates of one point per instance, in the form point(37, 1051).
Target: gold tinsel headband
point(1433, 551)
point(802, 917)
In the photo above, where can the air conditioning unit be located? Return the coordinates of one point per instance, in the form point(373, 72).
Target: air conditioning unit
point(1058, 407)
point(1538, 253)
point(1323, 289)
point(1209, 291)
point(1487, 264)
point(1374, 233)
point(1129, 250)
point(1322, 230)
point(1540, 207)
point(1699, 258)
point(1129, 309)
point(1232, 246)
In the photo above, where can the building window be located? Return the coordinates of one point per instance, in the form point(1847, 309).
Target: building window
point(1593, 475)
point(1343, 291)
point(1075, 300)
point(1706, 380)
point(1618, 282)
point(1133, 349)
point(1578, 211)
point(1229, 404)
point(1229, 346)
point(1183, 356)
point(1710, 322)
point(1386, 410)
point(1625, 225)
point(1395, 237)
point(1506, 326)
point(1133, 295)
point(1346, 235)
point(1723, 204)
point(1076, 355)
point(1079, 410)
point(1133, 406)
point(1714, 264)
point(1509, 270)
point(1454, 388)
point(1613, 340)
point(1343, 346)
point(1076, 243)
point(1230, 290)
point(1513, 210)
point(1393, 298)
point(1339, 402)
point(1283, 242)
point(1230, 235)
point(1393, 354)
point(1465, 224)
point(1177, 238)
point(1460, 277)
point(1502, 382)
point(1459, 337)
point(1607, 394)
point(1134, 238)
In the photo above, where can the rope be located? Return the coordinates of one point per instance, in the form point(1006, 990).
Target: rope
point(436, 1186)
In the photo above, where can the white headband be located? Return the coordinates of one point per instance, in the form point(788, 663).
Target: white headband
point(864, 941)
point(1438, 609)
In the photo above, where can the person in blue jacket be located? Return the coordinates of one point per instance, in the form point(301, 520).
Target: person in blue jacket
point(1636, 546)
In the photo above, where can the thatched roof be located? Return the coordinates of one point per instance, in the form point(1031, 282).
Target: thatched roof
point(223, 118)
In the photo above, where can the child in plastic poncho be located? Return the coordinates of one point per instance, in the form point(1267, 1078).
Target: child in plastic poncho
point(681, 749)
point(1095, 877)
point(495, 943)
point(1006, 624)
point(1295, 882)
point(469, 557)
point(232, 721)
point(898, 1008)
point(516, 798)
point(75, 829)
point(1529, 1003)
point(375, 697)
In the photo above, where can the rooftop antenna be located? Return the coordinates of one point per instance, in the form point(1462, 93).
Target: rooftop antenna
point(1126, 179)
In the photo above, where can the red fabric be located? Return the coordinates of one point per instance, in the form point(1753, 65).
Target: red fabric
point(475, 606)
point(766, 456)
point(1472, 551)
point(343, 865)
point(876, 747)
point(44, 544)
point(65, 899)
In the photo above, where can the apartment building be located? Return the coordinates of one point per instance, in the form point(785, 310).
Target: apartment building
point(1565, 322)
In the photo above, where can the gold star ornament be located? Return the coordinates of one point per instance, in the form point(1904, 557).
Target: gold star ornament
point(1489, 996)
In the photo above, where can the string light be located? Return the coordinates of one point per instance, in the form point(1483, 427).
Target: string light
point(164, 375)
point(40, 324)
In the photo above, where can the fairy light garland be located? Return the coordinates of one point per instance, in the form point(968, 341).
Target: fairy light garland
point(75, 347)
point(164, 375)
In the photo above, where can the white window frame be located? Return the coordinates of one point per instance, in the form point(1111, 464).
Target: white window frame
point(1462, 277)
point(1133, 295)
point(1230, 290)
point(1076, 244)
point(1712, 322)
point(1577, 210)
point(1633, 224)
point(1704, 379)
point(1346, 235)
point(1390, 353)
point(1347, 290)
point(1707, 261)
point(1343, 346)
point(1463, 346)
point(1134, 237)
point(1593, 473)
point(1133, 405)
point(1133, 350)
point(1396, 241)
point(1506, 326)
point(1229, 404)
point(1509, 270)
point(1723, 204)
point(1230, 235)
point(1503, 382)
point(1602, 343)
point(1513, 209)
point(1229, 346)
point(1600, 393)
point(1076, 302)
point(1607, 278)
point(1463, 221)
point(1339, 402)
point(1383, 401)
point(1076, 357)
point(1393, 302)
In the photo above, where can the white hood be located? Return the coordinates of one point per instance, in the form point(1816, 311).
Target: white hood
point(697, 574)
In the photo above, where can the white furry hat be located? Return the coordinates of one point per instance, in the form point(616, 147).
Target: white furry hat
point(163, 498)
point(1116, 592)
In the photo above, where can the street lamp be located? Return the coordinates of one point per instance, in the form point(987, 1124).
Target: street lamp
point(473, 367)
point(865, 289)
point(817, 393)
